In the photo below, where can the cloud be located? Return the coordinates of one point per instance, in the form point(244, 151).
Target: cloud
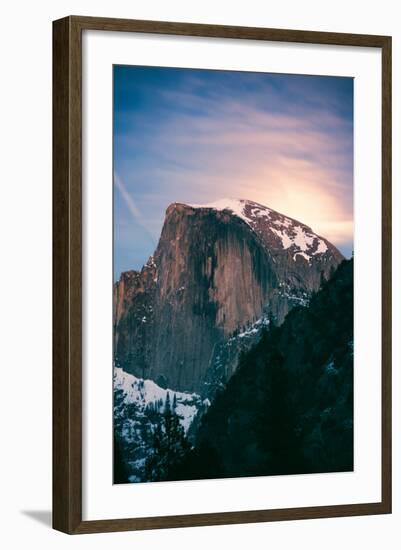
point(291, 152)
point(131, 206)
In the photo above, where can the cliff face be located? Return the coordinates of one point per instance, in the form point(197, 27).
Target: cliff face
point(217, 269)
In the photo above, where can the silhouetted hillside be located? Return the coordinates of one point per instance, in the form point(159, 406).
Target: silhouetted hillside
point(288, 408)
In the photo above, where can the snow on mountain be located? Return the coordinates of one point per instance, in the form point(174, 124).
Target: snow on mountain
point(139, 406)
point(236, 206)
point(147, 394)
point(225, 355)
point(274, 228)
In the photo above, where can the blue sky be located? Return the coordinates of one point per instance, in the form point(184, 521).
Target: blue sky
point(189, 135)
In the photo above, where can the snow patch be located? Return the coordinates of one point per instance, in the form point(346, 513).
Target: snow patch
point(302, 239)
point(286, 242)
point(307, 258)
point(145, 392)
point(322, 248)
point(330, 368)
point(290, 232)
point(236, 206)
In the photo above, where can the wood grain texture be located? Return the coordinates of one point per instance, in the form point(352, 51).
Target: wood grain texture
point(67, 278)
point(229, 518)
point(386, 275)
point(226, 31)
point(67, 274)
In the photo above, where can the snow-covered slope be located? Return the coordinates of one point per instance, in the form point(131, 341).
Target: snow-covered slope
point(274, 229)
point(139, 406)
point(146, 394)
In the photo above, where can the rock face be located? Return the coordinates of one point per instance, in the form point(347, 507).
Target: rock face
point(218, 269)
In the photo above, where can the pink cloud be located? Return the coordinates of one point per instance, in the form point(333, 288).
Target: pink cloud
point(297, 165)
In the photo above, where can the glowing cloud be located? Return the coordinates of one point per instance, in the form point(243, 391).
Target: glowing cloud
point(285, 141)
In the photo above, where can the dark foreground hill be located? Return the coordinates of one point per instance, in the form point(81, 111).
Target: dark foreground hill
point(288, 408)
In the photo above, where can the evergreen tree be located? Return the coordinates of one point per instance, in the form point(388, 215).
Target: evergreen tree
point(169, 447)
point(120, 473)
point(167, 406)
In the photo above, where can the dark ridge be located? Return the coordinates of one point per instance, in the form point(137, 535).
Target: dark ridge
point(288, 408)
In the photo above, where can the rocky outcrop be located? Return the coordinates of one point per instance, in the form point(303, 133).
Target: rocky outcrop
point(217, 269)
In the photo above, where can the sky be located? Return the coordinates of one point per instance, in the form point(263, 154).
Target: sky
point(196, 136)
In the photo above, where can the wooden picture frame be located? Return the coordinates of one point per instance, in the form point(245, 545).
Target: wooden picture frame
point(67, 273)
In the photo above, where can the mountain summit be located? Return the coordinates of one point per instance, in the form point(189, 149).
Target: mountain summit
point(220, 273)
point(276, 231)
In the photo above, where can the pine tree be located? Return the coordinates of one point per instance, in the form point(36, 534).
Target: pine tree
point(167, 406)
point(322, 280)
point(120, 473)
point(169, 445)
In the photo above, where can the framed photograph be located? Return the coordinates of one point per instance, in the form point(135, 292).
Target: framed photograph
point(222, 274)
